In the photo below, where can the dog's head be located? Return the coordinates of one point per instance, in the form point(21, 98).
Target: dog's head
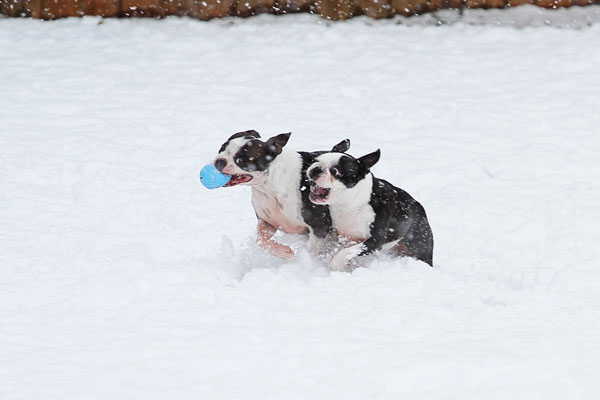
point(246, 157)
point(332, 175)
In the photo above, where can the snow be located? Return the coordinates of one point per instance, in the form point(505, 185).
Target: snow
point(519, 17)
point(121, 277)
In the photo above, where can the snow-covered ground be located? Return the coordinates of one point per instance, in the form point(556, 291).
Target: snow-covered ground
point(121, 277)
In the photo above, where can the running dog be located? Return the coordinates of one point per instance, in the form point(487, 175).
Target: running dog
point(280, 187)
point(369, 211)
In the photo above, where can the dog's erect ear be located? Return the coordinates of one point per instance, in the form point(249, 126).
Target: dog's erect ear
point(276, 143)
point(370, 159)
point(342, 146)
point(247, 134)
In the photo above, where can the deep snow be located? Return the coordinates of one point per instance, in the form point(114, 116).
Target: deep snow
point(122, 277)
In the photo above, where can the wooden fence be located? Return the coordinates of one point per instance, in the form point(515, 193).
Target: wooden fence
point(208, 9)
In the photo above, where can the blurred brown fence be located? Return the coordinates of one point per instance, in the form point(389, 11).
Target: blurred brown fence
point(208, 9)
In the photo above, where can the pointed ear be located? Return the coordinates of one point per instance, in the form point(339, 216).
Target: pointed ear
point(276, 143)
point(370, 159)
point(342, 146)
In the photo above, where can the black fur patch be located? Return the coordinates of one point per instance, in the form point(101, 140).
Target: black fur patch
point(399, 216)
point(316, 216)
point(349, 171)
point(251, 134)
point(255, 155)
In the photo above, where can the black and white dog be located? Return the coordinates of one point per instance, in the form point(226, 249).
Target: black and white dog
point(280, 194)
point(368, 210)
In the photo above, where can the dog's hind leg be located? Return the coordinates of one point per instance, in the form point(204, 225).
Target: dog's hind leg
point(264, 234)
point(421, 247)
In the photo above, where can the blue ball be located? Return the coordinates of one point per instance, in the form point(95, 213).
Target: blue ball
point(212, 178)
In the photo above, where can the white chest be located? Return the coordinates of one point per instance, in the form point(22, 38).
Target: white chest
point(278, 201)
point(351, 214)
point(268, 204)
point(353, 223)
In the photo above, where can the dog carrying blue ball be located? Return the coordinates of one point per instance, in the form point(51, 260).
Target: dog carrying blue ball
point(212, 178)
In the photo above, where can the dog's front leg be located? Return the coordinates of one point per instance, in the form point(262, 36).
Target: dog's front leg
point(315, 244)
point(342, 258)
point(265, 232)
point(374, 243)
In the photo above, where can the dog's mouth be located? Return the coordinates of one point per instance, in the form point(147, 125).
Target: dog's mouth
point(237, 179)
point(318, 194)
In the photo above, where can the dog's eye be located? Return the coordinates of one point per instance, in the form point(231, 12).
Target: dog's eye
point(239, 160)
point(335, 172)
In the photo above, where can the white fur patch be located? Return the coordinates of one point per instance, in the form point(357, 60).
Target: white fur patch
point(278, 200)
point(342, 258)
point(275, 192)
point(229, 153)
point(351, 213)
point(325, 161)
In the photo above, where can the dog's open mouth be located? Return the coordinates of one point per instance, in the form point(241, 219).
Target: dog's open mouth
point(237, 179)
point(318, 194)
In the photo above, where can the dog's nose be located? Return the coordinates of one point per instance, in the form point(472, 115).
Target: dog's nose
point(315, 172)
point(220, 163)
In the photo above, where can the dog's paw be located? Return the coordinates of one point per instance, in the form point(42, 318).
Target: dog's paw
point(315, 244)
point(281, 251)
point(341, 260)
point(275, 249)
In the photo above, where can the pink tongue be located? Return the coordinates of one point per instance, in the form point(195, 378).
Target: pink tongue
point(240, 179)
point(319, 190)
